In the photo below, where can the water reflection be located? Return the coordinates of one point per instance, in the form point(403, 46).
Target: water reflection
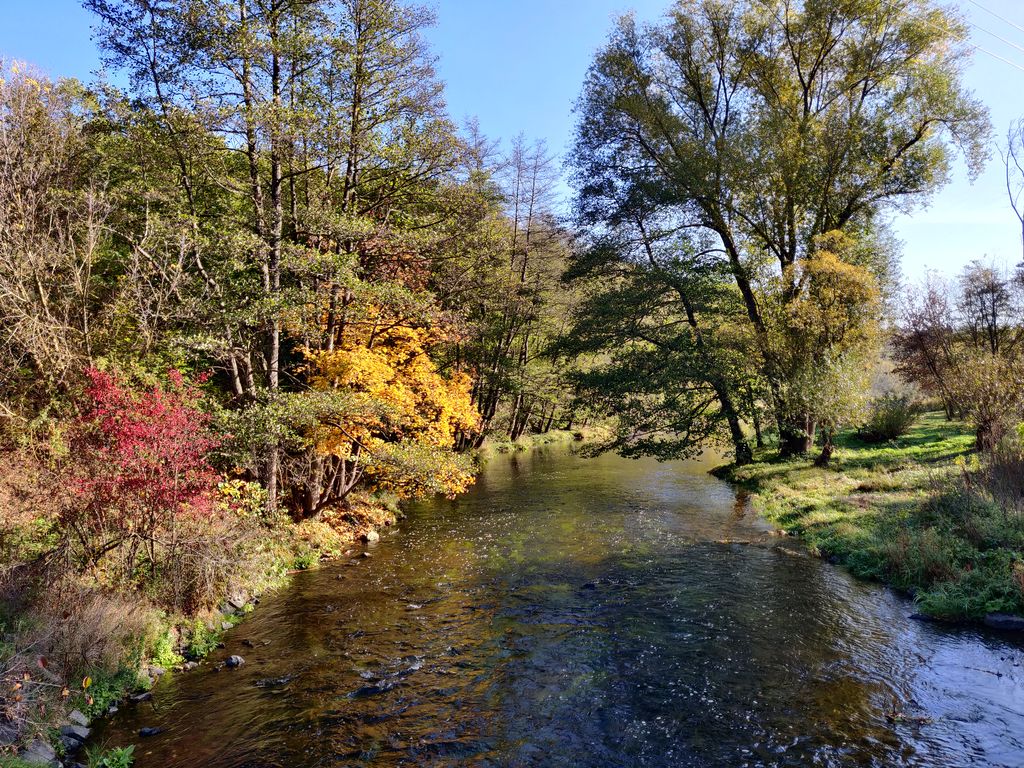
point(597, 612)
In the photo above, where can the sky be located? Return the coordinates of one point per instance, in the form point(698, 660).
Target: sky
point(518, 65)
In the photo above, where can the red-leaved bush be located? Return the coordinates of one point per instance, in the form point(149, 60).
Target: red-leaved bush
point(140, 473)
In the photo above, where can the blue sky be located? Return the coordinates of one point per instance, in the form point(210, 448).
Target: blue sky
point(517, 65)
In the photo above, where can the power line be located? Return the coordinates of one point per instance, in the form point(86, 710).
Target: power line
point(997, 37)
point(1003, 19)
point(966, 40)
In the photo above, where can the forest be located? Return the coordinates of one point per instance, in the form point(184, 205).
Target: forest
point(258, 290)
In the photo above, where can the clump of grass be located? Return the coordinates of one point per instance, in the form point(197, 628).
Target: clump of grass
point(118, 757)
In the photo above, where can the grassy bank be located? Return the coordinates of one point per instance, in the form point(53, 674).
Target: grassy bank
point(906, 513)
point(492, 448)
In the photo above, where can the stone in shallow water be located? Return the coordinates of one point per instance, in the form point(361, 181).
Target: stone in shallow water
point(75, 732)
point(235, 661)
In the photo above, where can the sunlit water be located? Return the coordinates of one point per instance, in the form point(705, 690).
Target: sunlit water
point(588, 612)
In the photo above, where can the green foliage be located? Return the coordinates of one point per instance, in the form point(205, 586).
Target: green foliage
point(306, 559)
point(889, 417)
point(11, 761)
point(743, 132)
point(163, 653)
point(200, 640)
point(118, 757)
point(108, 688)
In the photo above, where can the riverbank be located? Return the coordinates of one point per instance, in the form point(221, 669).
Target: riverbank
point(73, 650)
point(588, 434)
point(143, 643)
point(905, 513)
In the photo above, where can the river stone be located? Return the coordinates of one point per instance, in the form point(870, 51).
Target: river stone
point(236, 602)
point(235, 661)
point(78, 718)
point(77, 732)
point(147, 732)
point(371, 536)
point(1005, 621)
point(39, 753)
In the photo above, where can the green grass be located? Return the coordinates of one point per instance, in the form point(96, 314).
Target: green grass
point(529, 442)
point(900, 513)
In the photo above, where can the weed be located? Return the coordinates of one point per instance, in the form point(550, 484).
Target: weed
point(118, 757)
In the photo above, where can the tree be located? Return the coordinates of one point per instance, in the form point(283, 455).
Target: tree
point(763, 125)
point(309, 148)
point(666, 330)
point(52, 214)
point(961, 342)
point(395, 417)
point(828, 337)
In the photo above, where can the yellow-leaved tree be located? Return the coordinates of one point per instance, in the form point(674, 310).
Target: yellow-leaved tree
point(826, 336)
point(396, 417)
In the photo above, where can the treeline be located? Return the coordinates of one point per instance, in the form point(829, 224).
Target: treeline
point(281, 202)
point(247, 301)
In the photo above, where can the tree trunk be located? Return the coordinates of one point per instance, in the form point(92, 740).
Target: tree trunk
point(796, 437)
point(827, 448)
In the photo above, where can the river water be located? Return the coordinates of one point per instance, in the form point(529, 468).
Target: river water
point(587, 612)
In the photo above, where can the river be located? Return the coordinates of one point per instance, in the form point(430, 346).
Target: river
point(587, 612)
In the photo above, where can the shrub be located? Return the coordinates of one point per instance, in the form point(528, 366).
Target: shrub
point(889, 417)
point(1004, 472)
point(201, 640)
point(118, 757)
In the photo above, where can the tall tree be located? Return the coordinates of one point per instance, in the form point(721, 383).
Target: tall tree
point(764, 124)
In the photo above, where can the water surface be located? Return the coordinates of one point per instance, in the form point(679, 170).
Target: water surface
point(588, 612)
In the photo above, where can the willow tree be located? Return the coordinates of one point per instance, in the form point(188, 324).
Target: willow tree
point(763, 124)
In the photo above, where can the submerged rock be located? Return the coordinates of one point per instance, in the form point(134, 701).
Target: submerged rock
point(1006, 621)
point(234, 661)
point(147, 732)
point(273, 682)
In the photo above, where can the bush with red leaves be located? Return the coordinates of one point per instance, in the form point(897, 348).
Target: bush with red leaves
point(140, 469)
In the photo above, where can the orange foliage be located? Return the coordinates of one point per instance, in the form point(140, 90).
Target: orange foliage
point(402, 411)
